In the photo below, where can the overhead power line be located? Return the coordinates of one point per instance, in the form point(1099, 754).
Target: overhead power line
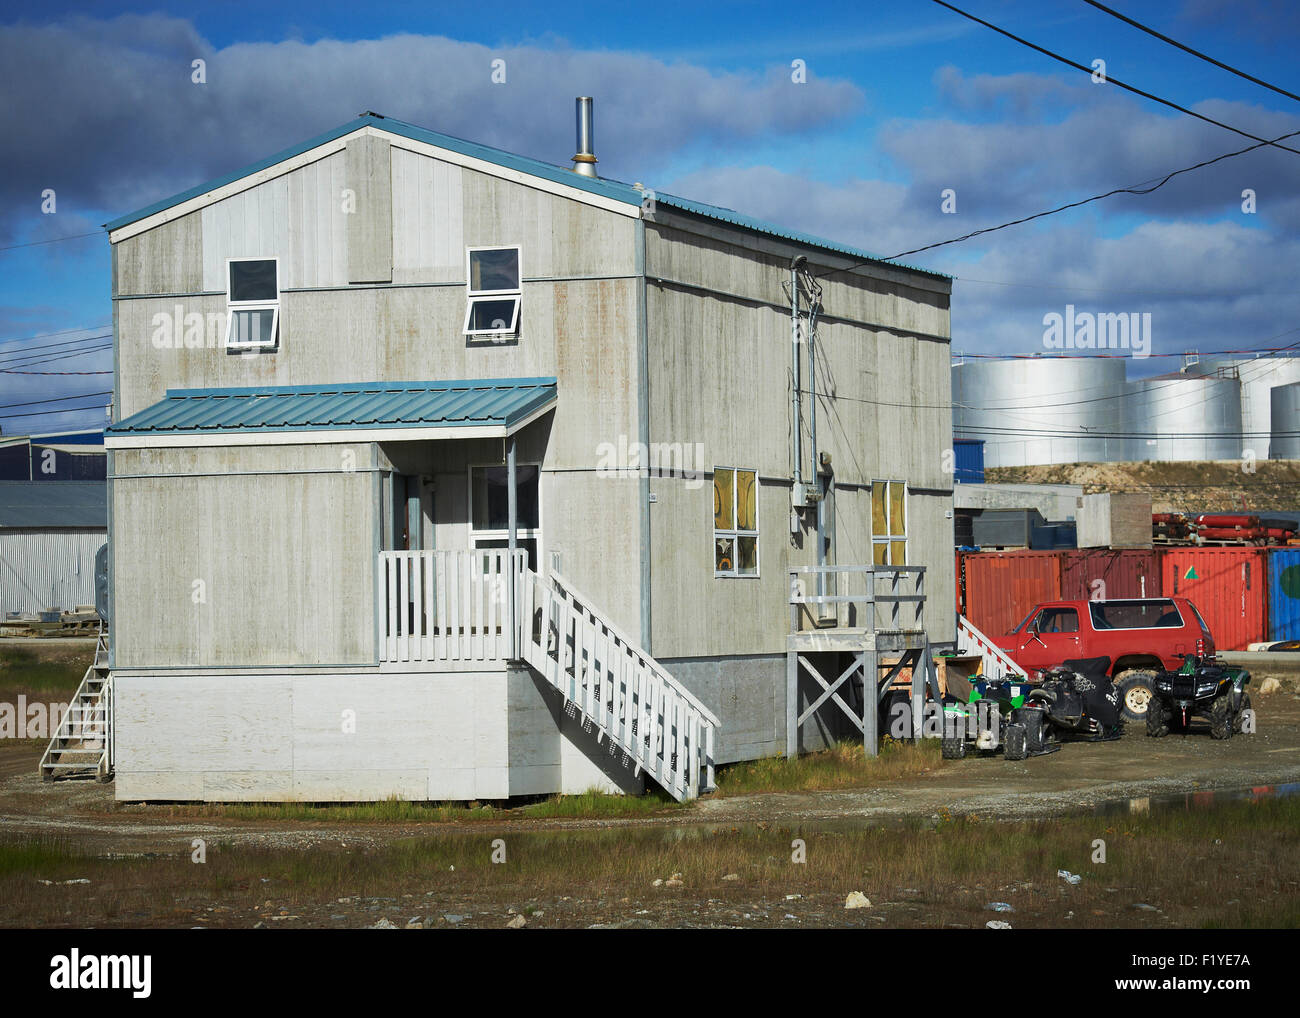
point(1112, 80)
point(1188, 49)
point(1136, 189)
point(65, 410)
point(57, 399)
point(52, 240)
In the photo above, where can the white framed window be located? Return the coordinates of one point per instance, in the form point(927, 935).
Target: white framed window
point(495, 290)
point(489, 508)
point(252, 303)
point(735, 521)
point(889, 523)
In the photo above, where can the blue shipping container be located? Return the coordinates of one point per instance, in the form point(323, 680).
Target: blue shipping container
point(1284, 594)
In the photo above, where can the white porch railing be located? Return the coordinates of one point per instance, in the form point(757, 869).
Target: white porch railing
point(441, 606)
point(446, 605)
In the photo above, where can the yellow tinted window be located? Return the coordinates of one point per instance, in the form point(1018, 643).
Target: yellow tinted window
point(746, 500)
point(879, 526)
point(880, 553)
point(723, 500)
point(896, 515)
point(898, 553)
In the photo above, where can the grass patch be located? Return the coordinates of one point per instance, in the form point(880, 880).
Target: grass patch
point(594, 805)
point(22, 669)
point(845, 765)
point(589, 805)
point(1229, 867)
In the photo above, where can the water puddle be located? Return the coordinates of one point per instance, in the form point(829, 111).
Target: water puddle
point(1199, 800)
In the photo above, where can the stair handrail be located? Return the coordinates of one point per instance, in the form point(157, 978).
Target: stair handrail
point(578, 597)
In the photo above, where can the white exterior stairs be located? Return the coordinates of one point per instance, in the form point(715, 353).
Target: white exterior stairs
point(455, 605)
point(617, 689)
point(82, 744)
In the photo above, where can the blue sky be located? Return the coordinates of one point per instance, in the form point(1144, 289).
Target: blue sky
point(903, 100)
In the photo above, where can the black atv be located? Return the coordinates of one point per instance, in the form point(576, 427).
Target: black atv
point(1075, 698)
point(1200, 688)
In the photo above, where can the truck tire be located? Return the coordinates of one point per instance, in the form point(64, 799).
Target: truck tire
point(1157, 719)
point(1136, 689)
point(1015, 743)
point(953, 748)
point(1239, 720)
point(1221, 718)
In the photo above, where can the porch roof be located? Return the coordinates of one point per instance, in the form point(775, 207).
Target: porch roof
point(340, 412)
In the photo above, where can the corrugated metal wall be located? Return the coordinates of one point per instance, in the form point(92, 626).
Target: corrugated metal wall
point(1227, 585)
point(1098, 573)
point(1284, 594)
point(41, 570)
point(999, 588)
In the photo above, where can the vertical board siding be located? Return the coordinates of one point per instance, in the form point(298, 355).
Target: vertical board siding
point(47, 570)
point(428, 230)
point(1227, 586)
point(298, 218)
point(370, 226)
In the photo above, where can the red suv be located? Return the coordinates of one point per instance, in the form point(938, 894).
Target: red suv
point(1141, 636)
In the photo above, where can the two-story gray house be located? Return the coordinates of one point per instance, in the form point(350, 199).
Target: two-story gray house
point(443, 473)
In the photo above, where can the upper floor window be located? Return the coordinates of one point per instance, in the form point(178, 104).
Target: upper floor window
point(495, 291)
point(252, 303)
point(889, 523)
point(735, 522)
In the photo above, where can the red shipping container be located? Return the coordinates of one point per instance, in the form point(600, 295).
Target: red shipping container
point(1098, 573)
point(1227, 585)
point(1001, 586)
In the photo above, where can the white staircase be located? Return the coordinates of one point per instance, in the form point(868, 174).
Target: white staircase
point(618, 689)
point(971, 642)
point(82, 746)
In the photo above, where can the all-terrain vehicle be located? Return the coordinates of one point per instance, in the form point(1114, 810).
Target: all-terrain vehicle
point(1075, 698)
point(1200, 688)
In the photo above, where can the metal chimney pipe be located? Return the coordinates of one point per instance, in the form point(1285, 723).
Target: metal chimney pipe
point(584, 160)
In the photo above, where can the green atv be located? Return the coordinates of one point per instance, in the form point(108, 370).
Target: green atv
point(1200, 688)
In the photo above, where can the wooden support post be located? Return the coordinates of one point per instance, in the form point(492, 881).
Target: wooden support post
point(512, 522)
point(870, 702)
point(791, 704)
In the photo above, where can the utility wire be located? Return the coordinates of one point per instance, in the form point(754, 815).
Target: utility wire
point(1187, 49)
point(1136, 189)
point(52, 240)
point(1114, 81)
point(53, 399)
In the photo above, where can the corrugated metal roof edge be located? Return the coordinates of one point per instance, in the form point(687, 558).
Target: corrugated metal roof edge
point(538, 400)
point(615, 189)
point(408, 386)
point(763, 226)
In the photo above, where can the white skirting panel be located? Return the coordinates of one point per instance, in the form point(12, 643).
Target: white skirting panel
point(488, 734)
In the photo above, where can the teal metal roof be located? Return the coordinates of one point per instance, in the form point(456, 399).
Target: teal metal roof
point(503, 402)
point(613, 189)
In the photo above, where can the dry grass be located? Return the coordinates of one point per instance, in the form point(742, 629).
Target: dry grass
point(1234, 866)
point(845, 765)
point(27, 671)
point(588, 805)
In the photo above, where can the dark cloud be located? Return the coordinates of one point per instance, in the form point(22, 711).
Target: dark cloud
point(105, 111)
